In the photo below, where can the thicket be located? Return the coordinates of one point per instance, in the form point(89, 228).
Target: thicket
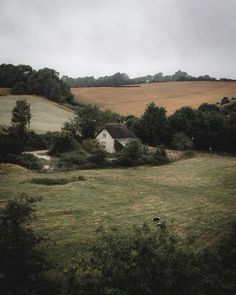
point(143, 261)
point(210, 127)
point(22, 79)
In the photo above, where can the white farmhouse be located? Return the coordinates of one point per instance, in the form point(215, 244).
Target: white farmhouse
point(112, 133)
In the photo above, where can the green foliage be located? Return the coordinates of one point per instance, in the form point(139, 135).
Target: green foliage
point(20, 88)
point(122, 79)
point(97, 154)
point(131, 154)
point(153, 125)
point(158, 157)
point(74, 159)
point(73, 126)
point(182, 142)
point(28, 161)
point(108, 117)
point(89, 121)
point(10, 145)
point(20, 118)
point(184, 120)
point(147, 261)
point(206, 107)
point(65, 142)
point(45, 82)
point(23, 260)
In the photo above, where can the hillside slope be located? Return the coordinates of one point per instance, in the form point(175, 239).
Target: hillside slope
point(46, 115)
point(171, 95)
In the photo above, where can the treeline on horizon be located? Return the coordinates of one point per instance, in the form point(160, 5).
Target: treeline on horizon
point(121, 79)
point(23, 79)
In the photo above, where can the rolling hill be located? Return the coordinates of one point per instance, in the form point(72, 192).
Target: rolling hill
point(46, 115)
point(171, 95)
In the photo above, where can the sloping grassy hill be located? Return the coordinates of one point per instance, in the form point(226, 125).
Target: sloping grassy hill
point(46, 115)
point(196, 196)
point(171, 95)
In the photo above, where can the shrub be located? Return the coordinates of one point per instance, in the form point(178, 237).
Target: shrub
point(98, 155)
point(158, 157)
point(72, 159)
point(23, 255)
point(131, 154)
point(182, 142)
point(26, 160)
point(91, 145)
point(10, 145)
point(35, 141)
point(144, 262)
point(65, 142)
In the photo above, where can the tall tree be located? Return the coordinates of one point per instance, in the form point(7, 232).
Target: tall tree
point(89, 121)
point(21, 118)
point(153, 125)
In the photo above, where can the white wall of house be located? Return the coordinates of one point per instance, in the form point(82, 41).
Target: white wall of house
point(106, 141)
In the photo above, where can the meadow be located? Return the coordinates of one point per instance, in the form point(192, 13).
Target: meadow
point(171, 95)
point(46, 115)
point(194, 196)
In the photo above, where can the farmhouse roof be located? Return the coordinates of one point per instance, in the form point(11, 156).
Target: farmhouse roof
point(119, 130)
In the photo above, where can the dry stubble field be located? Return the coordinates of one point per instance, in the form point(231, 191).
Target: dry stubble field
point(171, 95)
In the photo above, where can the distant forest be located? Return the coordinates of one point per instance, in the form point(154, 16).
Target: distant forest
point(121, 79)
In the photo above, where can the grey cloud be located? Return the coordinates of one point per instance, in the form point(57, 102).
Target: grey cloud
point(98, 37)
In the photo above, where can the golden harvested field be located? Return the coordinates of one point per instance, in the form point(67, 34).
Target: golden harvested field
point(171, 95)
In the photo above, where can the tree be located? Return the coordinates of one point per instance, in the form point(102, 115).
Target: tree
point(21, 118)
point(153, 125)
point(89, 121)
point(23, 259)
point(145, 261)
point(184, 120)
point(73, 126)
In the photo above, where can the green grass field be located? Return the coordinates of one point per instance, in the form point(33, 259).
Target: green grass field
point(195, 196)
point(46, 115)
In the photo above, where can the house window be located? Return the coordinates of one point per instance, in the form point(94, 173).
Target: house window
point(104, 135)
point(103, 144)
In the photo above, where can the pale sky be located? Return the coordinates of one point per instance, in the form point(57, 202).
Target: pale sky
point(138, 37)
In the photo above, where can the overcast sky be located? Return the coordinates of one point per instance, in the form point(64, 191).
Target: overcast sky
point(138, 37)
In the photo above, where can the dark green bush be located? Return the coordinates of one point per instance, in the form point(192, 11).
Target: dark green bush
point(158, 157)
point(26, 160)
point(73, 159)
point(131, 155)
point(65, 142)
point(10, 145)
point(97, 154)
